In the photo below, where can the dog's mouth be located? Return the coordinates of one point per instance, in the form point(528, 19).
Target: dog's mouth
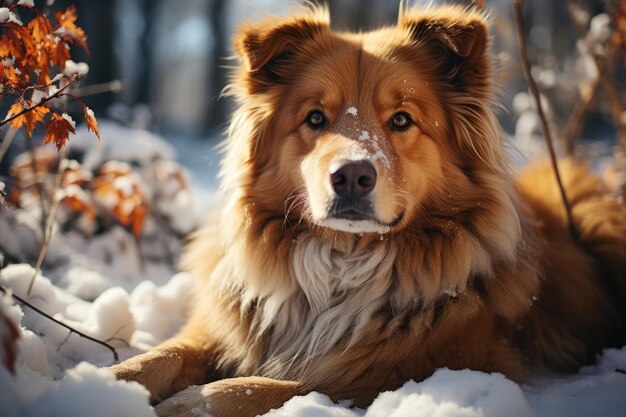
point(356, 216)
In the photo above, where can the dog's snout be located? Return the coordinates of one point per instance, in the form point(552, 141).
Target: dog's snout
point(354, 179)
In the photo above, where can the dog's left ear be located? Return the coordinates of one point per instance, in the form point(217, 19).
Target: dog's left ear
point(267, 49)
point(457, 36)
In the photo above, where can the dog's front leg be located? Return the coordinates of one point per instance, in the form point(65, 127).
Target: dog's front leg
point(232, 397)
point(168, 368)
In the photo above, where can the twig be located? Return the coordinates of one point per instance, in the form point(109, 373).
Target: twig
point(54, 205)
point(41, 103)
point(108, 87)
point(575, 120)
point(37, 184)
point(521, 33)
point(71, 329)
point(118, 339)
point(6, 142)
point(619, 370)
point(605, 79)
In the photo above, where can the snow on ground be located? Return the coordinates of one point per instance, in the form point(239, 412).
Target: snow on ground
point(135, 305)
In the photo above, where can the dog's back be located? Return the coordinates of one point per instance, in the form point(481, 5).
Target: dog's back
point(580, 307)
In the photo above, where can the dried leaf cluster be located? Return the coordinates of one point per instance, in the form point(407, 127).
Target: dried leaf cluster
point(114, 193)
point(30, 53)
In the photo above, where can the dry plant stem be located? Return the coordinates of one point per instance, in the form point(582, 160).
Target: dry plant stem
point(108, 87)
point(38, 184)
point(42, 102)
point(521, 33)
point(575, 121)
point(6, 142)
point(71, 329)
point(54, 205)
point(605, 79)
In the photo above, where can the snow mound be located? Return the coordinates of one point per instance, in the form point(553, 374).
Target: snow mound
point(119, 143)
point(84, 391)
point(446, 393)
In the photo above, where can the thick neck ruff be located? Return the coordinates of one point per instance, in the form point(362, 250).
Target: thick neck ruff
point(330, 295)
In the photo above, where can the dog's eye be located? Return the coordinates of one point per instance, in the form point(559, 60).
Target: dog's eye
point(315, 119)
point(400, 121)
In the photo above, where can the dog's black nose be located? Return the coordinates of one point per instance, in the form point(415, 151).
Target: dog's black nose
point(354, 179)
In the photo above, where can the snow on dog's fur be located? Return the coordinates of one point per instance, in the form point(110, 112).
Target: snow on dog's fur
point(374, 232)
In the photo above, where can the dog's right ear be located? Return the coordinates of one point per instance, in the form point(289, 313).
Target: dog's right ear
point(267, 48)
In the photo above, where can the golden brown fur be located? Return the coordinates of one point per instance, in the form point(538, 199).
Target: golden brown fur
point(460, 265)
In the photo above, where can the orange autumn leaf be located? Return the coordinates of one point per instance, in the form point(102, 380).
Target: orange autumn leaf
point(40, 28)
point(58, 130)
point(118, 189)
point(5, 46)
point(74, 198)
point(58, 53)
point(9, 77)
point(24, 48)
point(29, 118)
point(75, 174)
point(68, 30)
point(16, 108)
point(90, 119)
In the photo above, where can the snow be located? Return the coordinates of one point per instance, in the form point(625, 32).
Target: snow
point(84, 391)
point(69, 119)
point(90, 112)
point(373, 142)
point(4, 15)
point(71, 68)
point(104, 289)
point(446, 393)
point(7, 16)
point(9, 61)
point(52, 90)
point(600, 28)
point(352, 111)
point(38, 95)
point(27, 3)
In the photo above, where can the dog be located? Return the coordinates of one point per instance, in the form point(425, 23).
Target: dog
point(375, 232)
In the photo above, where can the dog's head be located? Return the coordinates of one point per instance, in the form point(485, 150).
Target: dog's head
point(359, 132)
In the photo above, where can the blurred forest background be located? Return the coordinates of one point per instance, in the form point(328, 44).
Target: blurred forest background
point(171, 56)
point(163, 64)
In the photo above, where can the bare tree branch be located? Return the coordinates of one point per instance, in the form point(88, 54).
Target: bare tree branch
point(108, 87)
point(521, 33)
point(576, 117)
point(41, 103)
point(71, 329)
point(605, 78)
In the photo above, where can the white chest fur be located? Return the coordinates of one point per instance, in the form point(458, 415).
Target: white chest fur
point(337, 294)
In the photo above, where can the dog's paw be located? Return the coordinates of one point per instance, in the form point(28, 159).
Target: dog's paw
point(234, 397)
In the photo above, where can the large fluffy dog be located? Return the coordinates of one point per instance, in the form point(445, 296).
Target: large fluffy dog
point(374, 233)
